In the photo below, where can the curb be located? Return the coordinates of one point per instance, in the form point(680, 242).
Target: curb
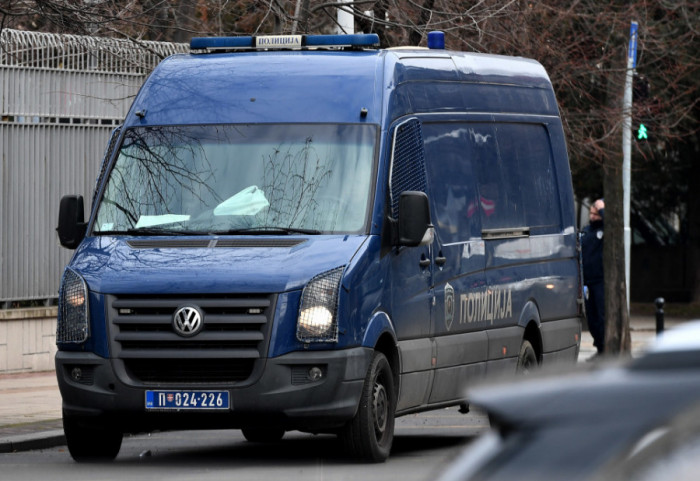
point(28, 442)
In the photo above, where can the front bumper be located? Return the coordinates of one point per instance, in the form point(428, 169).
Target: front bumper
point(281, 396)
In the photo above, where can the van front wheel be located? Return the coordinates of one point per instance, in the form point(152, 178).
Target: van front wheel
point(88, 440)
point(370, 434)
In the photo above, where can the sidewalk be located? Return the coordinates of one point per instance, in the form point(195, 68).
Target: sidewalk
point(30, 404)
point(30, 412)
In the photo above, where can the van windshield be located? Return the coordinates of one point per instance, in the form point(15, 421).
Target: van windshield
point(247, 179)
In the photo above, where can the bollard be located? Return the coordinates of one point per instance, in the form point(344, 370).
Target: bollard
point(659, 302)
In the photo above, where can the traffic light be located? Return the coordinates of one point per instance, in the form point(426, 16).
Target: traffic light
point(640, 100)
point(640, 88)
point(642, 133)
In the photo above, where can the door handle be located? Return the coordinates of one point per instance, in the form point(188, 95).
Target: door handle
point(440, 261)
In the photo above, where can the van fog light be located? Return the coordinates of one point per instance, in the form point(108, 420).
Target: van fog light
point(76, 374)
point(315, 374)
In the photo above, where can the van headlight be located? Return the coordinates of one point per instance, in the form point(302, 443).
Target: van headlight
point(318, 319)
point(72, 324)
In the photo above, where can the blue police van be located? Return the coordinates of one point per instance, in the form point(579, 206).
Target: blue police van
point(311, 233)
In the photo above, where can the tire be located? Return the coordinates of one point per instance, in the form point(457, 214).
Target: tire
point(90, 441)
point(370, 434)
point(263, 435)
point(527, 359)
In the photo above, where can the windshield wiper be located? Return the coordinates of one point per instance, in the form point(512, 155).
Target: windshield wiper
point(268, 230)
point(183, 232)
point(151, 231)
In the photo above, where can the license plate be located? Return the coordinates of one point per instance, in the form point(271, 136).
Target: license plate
point(187, 400)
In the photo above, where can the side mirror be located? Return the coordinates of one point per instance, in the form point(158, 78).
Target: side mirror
point(415, 228)
point(71, 223)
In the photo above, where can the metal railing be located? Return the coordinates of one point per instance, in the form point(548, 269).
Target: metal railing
point(60, 97)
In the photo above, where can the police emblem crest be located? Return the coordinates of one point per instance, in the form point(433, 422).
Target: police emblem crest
point(449, 306)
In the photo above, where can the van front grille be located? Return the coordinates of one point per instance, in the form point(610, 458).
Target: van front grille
point(189, 371)
point(233, 337)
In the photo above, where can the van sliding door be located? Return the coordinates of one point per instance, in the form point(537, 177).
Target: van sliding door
point(458, 271)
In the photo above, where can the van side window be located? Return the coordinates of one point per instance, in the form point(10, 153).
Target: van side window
point(527, 156)
point(516, 177)
point(452, 180)
point(500, 199)
point(105, 160)
point(408, 162)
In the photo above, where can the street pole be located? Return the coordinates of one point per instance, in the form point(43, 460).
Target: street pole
point(301, 12)
point(627, 150)
point(346, 20)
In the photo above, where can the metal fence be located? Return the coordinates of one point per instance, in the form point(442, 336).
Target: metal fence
point(62, 95)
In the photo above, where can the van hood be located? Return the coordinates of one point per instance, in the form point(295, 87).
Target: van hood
point(250, 264)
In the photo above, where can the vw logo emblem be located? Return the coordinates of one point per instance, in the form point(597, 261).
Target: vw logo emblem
point(188, 321)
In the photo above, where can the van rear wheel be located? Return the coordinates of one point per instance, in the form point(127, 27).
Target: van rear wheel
point(88, 440)
point(370, 434)
point(527, 359)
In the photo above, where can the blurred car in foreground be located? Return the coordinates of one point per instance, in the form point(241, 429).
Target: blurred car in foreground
point(637, 421)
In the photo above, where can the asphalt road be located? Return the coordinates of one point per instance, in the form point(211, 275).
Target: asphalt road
point(423, 445)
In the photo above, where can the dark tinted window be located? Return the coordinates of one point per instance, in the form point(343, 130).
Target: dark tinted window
point(490, 176)
point(499, 187)
point(454, 201)
point(528, 171)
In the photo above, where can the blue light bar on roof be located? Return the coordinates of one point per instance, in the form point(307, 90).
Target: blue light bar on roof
point(198, 43)
point(354, 40)
point(284, 42)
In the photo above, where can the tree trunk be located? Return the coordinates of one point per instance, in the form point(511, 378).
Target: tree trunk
point(157, 27)
point(184, 21)
point(693, 217)
point(416, 34)
point(617, 328)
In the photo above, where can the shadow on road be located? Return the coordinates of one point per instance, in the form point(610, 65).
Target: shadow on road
point(208, 449)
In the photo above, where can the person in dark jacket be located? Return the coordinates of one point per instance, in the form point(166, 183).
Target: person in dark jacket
point(592, 253)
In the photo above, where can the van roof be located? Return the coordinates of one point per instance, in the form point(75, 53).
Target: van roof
point(333, 86)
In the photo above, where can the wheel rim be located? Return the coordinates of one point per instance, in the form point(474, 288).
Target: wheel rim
point(528, 362)
point(380, 405)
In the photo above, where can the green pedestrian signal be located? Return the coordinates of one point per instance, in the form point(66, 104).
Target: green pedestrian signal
point(642, 132)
